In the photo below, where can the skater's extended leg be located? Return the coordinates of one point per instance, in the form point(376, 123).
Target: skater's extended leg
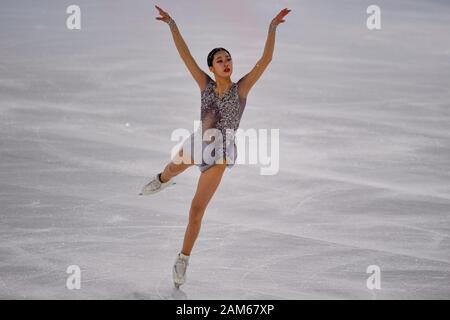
point(207, 184)
point(174, 167)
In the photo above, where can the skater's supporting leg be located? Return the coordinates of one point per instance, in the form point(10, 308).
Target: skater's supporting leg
point(207, 184)
point(173, 169)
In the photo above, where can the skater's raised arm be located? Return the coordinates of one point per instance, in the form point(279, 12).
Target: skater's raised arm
point(247, 81)
point(199, 75)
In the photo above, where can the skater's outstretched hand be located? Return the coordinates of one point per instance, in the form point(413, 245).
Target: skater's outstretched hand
point(280, 17)
point(164, 16)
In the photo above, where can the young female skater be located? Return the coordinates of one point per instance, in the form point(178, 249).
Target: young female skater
point(222, 105)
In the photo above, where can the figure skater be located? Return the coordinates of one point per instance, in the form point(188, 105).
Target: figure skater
point(222, 105)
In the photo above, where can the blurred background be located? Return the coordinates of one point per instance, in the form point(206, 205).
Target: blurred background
point(86, 117)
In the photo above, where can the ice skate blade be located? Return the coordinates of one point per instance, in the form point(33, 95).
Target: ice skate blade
point(156, 191)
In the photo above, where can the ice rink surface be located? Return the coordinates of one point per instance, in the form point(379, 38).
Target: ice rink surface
point(364, 178)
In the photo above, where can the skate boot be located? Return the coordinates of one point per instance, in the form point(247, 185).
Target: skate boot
point(155, 185)
point(179, 270)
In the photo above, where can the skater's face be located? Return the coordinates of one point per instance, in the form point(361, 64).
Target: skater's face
point(222, 64)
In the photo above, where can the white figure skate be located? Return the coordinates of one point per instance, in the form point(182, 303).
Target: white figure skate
point(179, 270)
point(155, 185)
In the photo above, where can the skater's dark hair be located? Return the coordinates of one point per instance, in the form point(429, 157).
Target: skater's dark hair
point(212, 53)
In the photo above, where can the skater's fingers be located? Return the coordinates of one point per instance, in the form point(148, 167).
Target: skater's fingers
point(161, 11)
point(164, 19)
point(164, 16)
point(282, 13)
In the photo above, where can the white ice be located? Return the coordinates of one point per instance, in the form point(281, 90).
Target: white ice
point(86, 118)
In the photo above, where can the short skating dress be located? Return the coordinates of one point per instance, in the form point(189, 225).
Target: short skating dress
point(219, 113)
